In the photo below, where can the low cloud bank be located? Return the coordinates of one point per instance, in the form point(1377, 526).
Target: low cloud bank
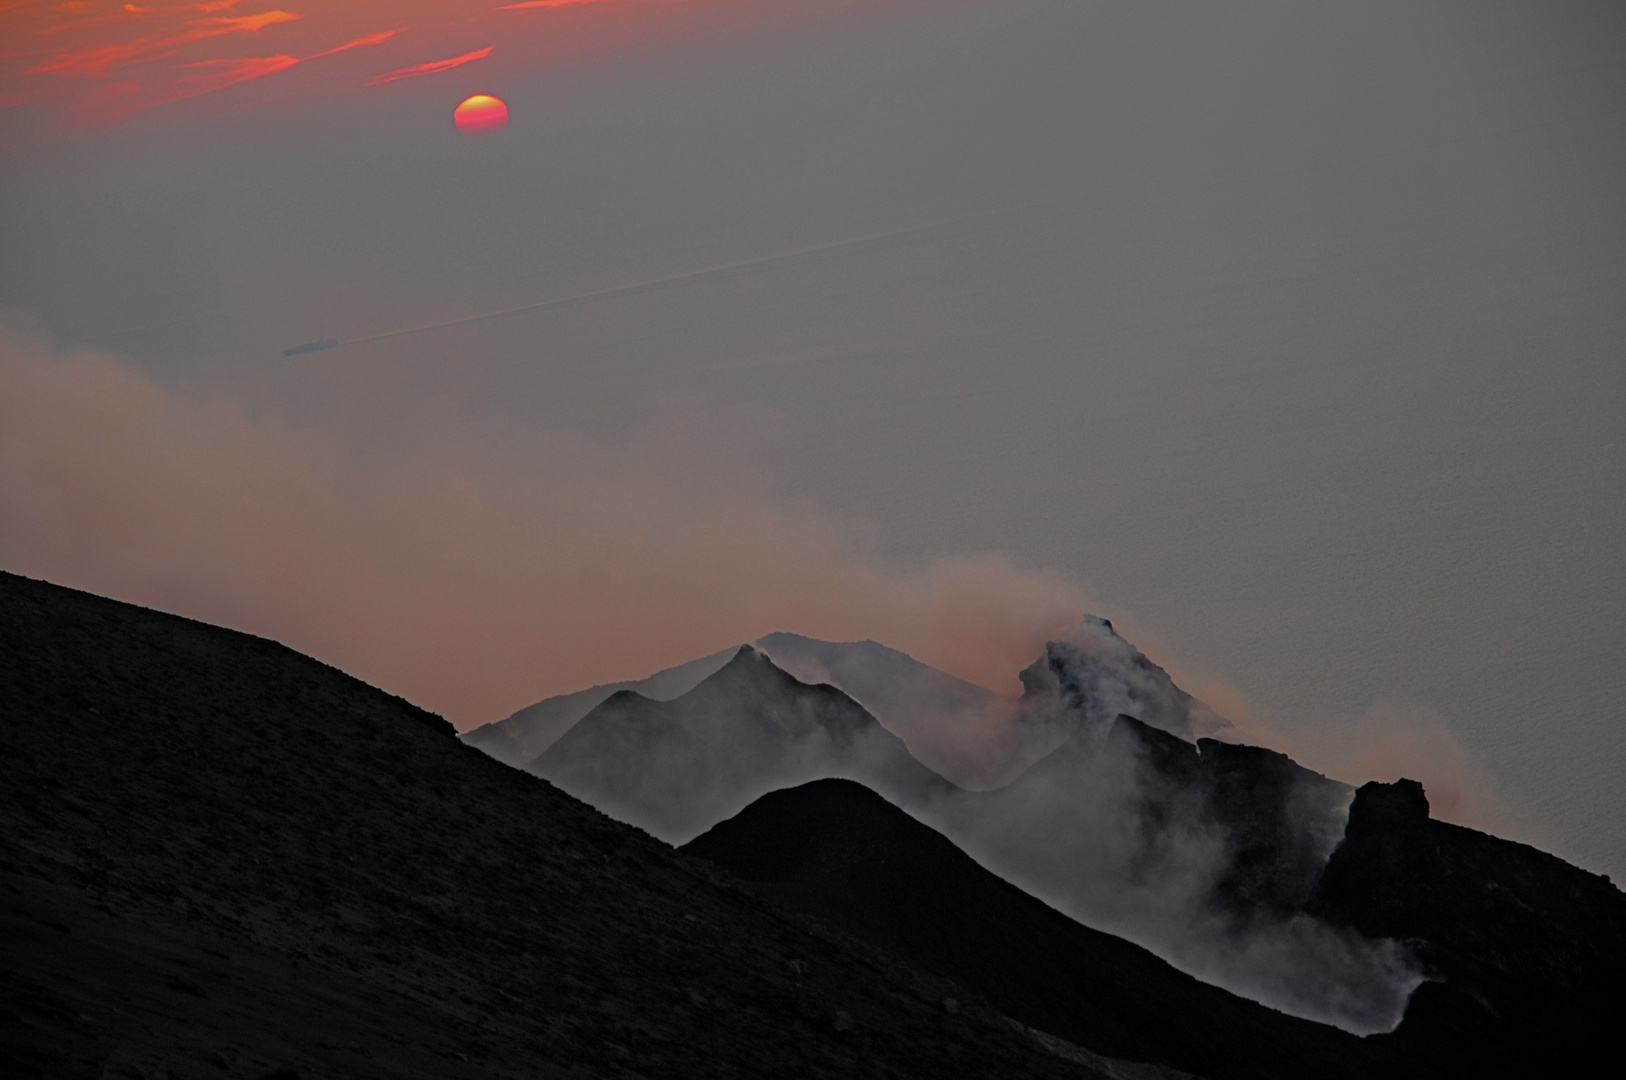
point(468, 585)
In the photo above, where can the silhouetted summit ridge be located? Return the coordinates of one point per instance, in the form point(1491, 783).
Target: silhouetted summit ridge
point(676, 767)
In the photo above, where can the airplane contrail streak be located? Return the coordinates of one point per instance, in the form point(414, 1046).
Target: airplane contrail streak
point(616, 290)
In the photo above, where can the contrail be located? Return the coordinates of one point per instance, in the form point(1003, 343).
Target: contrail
point(617, 290)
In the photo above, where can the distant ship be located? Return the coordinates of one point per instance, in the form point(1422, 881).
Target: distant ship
point(312, 346)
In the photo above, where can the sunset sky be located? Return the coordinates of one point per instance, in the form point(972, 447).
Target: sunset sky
point(1288, 336)
point(89, 63)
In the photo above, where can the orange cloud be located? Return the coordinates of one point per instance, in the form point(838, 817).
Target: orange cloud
point(219, 74)
point(113, 91)
point(22, 97)
point(96, 62)
point(119, 101)
point(122, 15)
point(544, 4)
point(54, 56)
point(365, 41)
point(245, 23)
point(432, 68)
point(471, 585)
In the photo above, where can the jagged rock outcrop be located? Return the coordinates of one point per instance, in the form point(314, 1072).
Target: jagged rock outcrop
point(841, 852)
point(1525, 954)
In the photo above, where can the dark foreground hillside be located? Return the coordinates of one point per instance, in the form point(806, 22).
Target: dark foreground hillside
point(221, 858)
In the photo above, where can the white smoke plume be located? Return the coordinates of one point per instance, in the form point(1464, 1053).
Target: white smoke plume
point(1130, 833)
point(476, 587)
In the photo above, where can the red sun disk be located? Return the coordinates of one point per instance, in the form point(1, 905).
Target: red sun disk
point(480, 114)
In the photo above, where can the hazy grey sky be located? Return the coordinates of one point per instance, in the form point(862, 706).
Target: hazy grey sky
point(1291, 335)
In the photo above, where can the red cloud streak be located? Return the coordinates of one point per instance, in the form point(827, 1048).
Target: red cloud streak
point(432, 68)
point(96, 62)
point(366, 41)
point(529, 4)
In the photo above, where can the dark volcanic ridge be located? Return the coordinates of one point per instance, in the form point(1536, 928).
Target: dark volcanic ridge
point(224, 858)
point(1228, 860)
point(841, 852)
point(1524, 953)
point(1181, 846)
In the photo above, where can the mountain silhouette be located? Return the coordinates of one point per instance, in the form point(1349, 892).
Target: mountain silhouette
point(956, 728)
point(521, 737)
point(676, 767)
point(932, 711)
point(1203, 852)
point(222, 858)
point(839, 851)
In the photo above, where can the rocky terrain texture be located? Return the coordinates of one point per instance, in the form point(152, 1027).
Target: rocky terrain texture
point(219, 858)
point(1526, 954)
point(839, 851)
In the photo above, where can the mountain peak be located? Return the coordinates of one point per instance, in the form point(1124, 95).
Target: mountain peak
point(1096, 675)
point(750, 669)
point(675, 767)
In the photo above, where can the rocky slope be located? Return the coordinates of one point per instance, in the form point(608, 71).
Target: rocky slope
point(1526, 954)
point(1203, 852)
point(839, 851)
point(221, 858)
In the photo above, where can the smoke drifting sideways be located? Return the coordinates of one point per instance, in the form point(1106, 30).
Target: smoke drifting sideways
point(1102, 789)
point(1166, 832)
point(471, 585)
point(475, 586)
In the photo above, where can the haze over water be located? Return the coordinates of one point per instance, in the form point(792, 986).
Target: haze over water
point(1293, 338)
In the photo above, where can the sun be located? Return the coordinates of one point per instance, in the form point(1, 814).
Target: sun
point(481, 114)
